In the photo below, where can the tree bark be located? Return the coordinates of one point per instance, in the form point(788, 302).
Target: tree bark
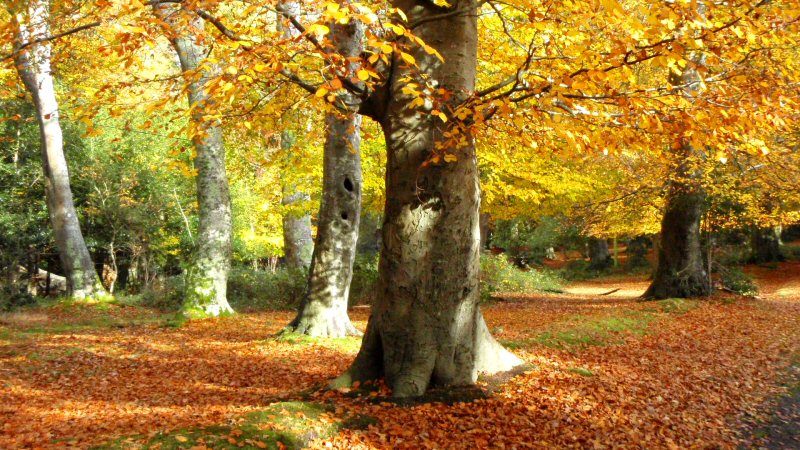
point(323, 312)
point(207, 277)
point(599, 256)
point(680, 272)
point(425, 326)
point(33, 66)
point(766, 245)
point(298, 240)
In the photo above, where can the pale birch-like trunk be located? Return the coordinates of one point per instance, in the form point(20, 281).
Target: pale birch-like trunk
point(298, 240)
point(207, 278)
point(34, 67)
point(323, 312)
point(425, 326)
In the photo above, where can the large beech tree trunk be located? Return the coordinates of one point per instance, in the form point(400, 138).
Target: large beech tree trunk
point(33, 66)
point(323, 311)
point(425, 326)
point(681, 272)
point(207, 278)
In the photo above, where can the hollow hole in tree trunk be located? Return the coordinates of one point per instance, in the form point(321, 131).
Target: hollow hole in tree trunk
point(348, 184)
point(344, 215)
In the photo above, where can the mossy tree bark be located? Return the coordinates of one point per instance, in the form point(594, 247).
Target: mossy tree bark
point(34, 68)
point(207, 277)
point(323, 312)
point(425, 326)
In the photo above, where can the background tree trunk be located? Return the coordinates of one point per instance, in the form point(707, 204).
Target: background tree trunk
point(323, 311)
point(33, 65)
point(425, 326)
point(207, 278)
point(599, 256)
point(766, 245)
point(298, 240)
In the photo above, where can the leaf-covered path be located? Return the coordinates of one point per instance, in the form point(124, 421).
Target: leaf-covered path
point(608, 371)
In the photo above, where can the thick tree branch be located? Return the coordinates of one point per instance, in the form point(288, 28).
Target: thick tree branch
point(450, 13)
point(53, 37)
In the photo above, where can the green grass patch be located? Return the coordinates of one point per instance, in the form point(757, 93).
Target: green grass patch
point(581, 331)
point(514, 344)
point(677, 305)
point(281, 425)
point(582, 371)
point(584, 331)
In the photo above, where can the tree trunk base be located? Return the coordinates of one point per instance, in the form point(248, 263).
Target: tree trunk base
point(694, 285)
point(330, 324)
point(412, 380)
point(206, 293)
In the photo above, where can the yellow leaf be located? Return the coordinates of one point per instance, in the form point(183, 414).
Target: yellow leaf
point(180, 438)
point(321, 91)
point(408, 58)
point(450, 158)
point(397, 29)
point(318, 29)
point(363, 75)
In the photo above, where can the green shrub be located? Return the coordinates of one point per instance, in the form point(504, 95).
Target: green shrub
point(580, 269)
point(500, 275)
point(791, 252)
point(13, 298)
point(737, 281)
point(250, 289)
point(732, 255)
point(365, 279)
point(166, 295)
point(526, 240)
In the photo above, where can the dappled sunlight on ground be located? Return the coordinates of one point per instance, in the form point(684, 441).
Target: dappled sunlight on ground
point(605, 369)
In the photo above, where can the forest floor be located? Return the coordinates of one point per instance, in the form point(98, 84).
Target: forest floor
point(606, 371)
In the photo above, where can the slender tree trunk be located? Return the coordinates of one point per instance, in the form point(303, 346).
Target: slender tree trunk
point(298, 240)
point(123, 273)
point(599, 256)
point(486, 229)
point(207, 278)
point(33, 65)
point(425, 327)
point(323, 311)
